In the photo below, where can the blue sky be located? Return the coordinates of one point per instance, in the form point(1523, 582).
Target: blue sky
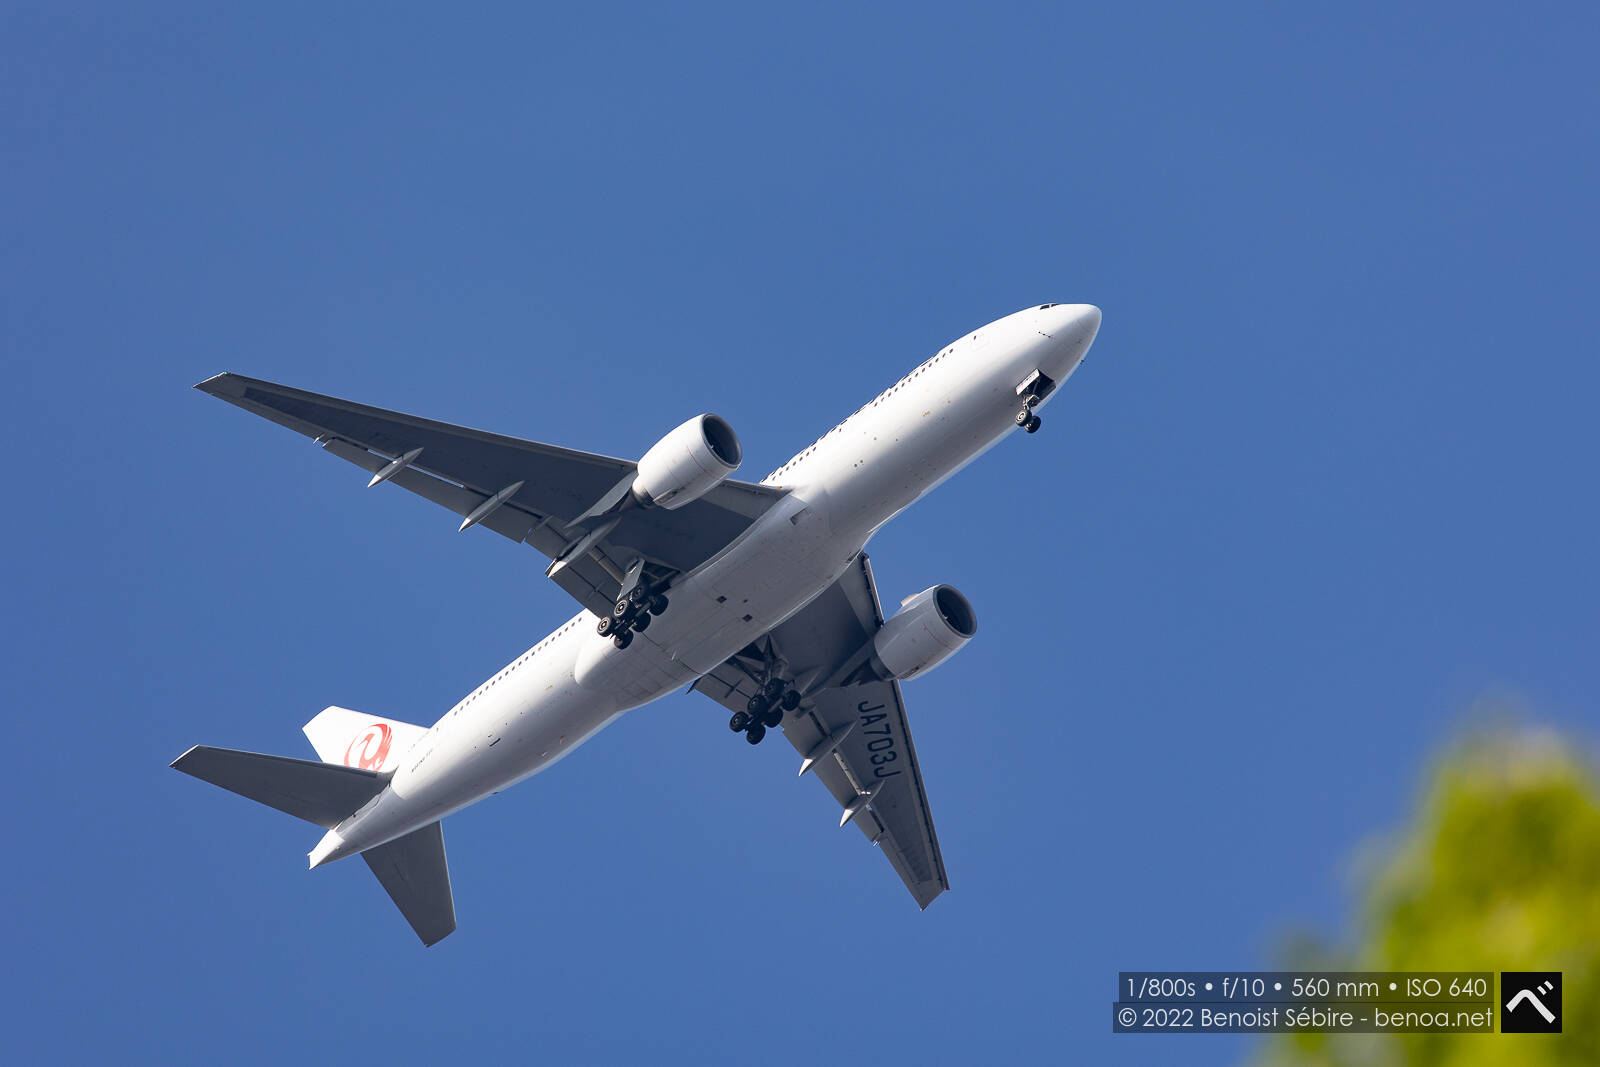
point(1323, 487)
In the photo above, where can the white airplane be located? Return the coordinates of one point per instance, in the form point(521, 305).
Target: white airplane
point(758, 596)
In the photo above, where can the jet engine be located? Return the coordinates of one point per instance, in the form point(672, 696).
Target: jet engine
point(687, 463)
point(927, 630)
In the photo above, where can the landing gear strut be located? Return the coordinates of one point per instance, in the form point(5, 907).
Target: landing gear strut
point(1026, 418)
point(765, 710)
point(1034, 388)
point(632, 612)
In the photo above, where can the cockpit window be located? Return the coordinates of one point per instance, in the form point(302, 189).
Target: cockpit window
point(1044, 307)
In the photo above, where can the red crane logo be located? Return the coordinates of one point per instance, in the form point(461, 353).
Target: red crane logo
point(370, 747)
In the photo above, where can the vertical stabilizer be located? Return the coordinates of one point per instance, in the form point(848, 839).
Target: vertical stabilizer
point(353, 739)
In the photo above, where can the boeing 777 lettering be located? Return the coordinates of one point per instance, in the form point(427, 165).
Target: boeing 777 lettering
point(759, 596)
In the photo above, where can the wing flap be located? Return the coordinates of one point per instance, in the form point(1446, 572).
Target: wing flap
point(878, 750)
point(508, 521)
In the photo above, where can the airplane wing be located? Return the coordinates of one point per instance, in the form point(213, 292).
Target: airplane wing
point(526, 491)
point(827, 644)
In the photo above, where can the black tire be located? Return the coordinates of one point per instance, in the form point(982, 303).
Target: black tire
point(773, 689)
point(623, 639)
point(638, 595)
point(773, 719)
point(791, 700)
point(739, 721)
point(1033, 424)
point(1023, 416)
point(658, 604)
point(620, 609)
point(642, 623)
point(755, 734)
point(603, 627)
point(756, 705)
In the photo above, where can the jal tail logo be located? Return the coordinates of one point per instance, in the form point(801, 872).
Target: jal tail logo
point(370, 747)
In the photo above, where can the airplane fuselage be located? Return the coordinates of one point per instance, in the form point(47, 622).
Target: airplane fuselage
point(841, 490)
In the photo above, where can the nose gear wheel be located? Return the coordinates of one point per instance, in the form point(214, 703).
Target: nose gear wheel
point(1026, 418)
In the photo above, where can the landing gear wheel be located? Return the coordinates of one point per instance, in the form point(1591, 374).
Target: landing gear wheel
point(791, 700)
point(773, 719)
point(757, 705)
point(1023, 416)
point(739, 722)
point(755, 733)
point(623, 639)
point(1032, 425)
point(642, 623)
point(658, 604)
point(604, 626)
point(620, 609)
point(773, 689)
point(638, 595)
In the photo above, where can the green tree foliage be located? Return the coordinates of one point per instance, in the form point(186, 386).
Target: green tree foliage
point(1499, 872)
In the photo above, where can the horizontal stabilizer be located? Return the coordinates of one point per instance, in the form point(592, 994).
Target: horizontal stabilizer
point(321, 793)
point(414, 873)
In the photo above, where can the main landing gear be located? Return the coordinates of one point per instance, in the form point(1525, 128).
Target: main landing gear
point(765, 710)
point(632, 612)
point(1026, 418)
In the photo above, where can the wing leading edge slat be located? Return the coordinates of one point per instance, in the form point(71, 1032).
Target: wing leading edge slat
point(528, 491)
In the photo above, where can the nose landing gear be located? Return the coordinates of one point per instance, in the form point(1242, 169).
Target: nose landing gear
point(1026, 418)
point(1034, 388)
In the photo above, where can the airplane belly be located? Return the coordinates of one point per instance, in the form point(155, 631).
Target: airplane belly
point(518, 727)
point(629, 676)
point(792, 556)
point(912, 447)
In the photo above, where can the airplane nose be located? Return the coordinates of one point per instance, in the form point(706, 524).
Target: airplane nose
point(1083, 319)
point(1072, 322)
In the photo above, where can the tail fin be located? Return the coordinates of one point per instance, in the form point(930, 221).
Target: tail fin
point(319, 793)
point(414, 874)
point(355, 740)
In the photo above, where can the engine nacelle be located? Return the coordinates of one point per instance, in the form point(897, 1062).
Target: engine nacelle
point(687, 463)
point(929, 629)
